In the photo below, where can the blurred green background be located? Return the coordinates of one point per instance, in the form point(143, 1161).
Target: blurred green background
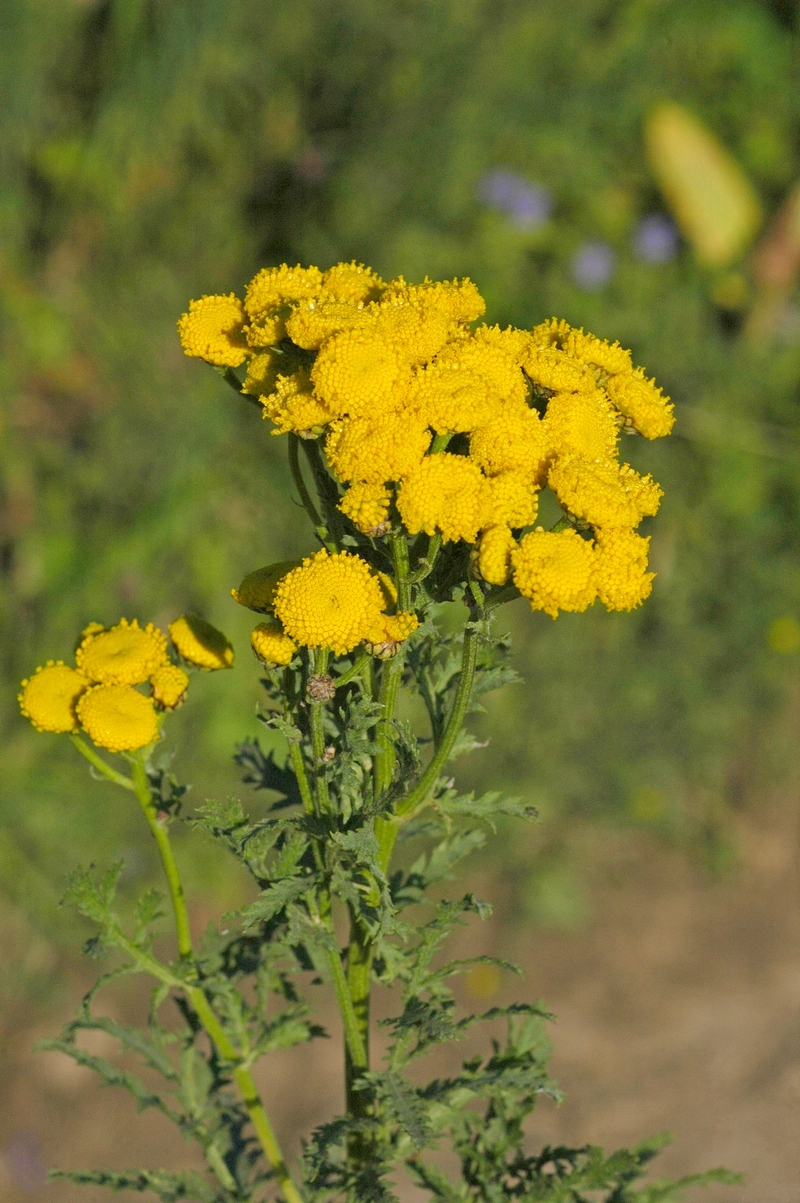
point(154, 150)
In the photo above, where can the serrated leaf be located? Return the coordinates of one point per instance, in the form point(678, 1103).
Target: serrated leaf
point(273, 900)
point(262, 772)
point(170, 1188)
point(402, 1104)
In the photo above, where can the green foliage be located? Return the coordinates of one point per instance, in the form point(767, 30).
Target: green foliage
point(322, 851)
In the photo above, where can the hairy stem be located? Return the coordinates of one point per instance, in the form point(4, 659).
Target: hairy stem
point(205, 1013)
point(318, 668)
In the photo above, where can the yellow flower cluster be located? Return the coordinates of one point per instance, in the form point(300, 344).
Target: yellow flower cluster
point(100, 696)
point(390, 373)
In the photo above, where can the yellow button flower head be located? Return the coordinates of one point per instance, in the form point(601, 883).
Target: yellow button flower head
point(555, 571)
point(513, 441)
point(367, 507)
point(603, 494)
point(490, 362)
point(169, 685)
point(511, 340)
point(269, 297)
point(352, 282)
point(332, 601)
point(263, 372)
point(118, 717)
point(125, 654)
point(272, 645)
point(609, 357)
point(552, 369)
point(358, 372)
point(552, 333)
point(511, 500)
point(446, 493)
point(293, 406)
point(312, 322)
point(415, 331)
point(213, 330)
point(643, 403)
point(257, 590)
point(623, 581)
point(582, 424)
point(377, 449)
point(48, 698)
point(452, 400)
point(199, 643)
point(494, 554)
point(457, 300)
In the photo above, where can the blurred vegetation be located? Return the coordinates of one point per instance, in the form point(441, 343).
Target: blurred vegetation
point(154, 150)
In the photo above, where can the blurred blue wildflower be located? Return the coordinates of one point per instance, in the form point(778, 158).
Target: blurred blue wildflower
point(655, 239)
point(528, 205)
point(593, 266)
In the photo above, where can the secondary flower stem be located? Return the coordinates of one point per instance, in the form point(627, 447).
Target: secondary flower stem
point(300, 485)
point(101, 765)
point(392, 673)
point(354, 670)
point(205, 1013)
point(141, 788)
point(421, 791)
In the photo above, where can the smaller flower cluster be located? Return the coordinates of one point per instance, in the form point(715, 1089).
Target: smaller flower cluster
point(327, 601)
point(453, 429)
point(100, 695)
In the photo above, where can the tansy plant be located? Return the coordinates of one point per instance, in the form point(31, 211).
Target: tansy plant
point(419, 446)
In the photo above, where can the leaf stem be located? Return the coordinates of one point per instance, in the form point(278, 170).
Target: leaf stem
point(141, 788)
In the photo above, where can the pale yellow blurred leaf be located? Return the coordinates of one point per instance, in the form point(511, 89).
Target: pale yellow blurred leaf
point(711, 198)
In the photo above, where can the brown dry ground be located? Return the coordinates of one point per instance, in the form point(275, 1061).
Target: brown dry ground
point(677, 1010)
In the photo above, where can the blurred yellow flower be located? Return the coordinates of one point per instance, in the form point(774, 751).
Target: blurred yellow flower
point(125, 654)
point(257, 590)
point(117, 717)
point(199, 643)
point(169, 685)
point(623, 581)
point(49, 697)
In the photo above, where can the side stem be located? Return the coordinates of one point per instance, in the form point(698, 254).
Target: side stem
point(205, 1013)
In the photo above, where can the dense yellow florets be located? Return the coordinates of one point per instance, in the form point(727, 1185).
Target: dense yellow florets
point(169, 685)
point(555, 571)
point(582, 424)
point(332, 601)
point(623, 581)
point(269, 297)
point(494, 554)
point(364, 449)
point(199, 643)
point(124, 655)
point(367, 507)
point(458, 427)
point(213, 330)
point(49, 697)
point(445, 493)
point(272, 645)
point(117, 717)
point(359, 372)
point(640, 400)
point(515, 440)
point(603, 494)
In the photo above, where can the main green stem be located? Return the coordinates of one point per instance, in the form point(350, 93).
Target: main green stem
point(241, 1074)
